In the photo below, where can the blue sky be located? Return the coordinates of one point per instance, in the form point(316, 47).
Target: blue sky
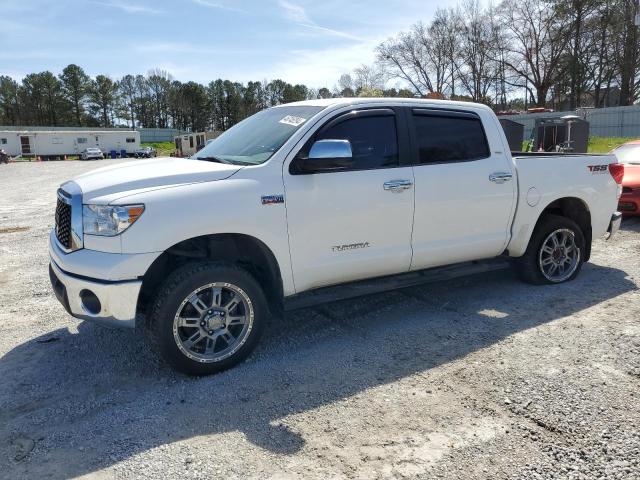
point(308, 41)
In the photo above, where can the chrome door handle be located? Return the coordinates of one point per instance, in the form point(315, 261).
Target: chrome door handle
point(500, 177)
point(397, 185)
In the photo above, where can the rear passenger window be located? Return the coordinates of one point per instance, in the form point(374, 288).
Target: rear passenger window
point(374, 140)
point(454, 138)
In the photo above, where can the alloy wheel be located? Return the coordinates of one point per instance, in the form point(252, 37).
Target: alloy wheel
point(559, 255)
point(213, 322)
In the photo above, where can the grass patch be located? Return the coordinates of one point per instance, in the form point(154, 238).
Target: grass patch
point(164, 149)
point(596, 144)
point(606, 144)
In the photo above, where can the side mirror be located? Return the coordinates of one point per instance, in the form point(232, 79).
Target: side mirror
point(325, 156)
point(331, 149)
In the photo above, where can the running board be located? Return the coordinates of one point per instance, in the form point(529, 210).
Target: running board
point(392, 282)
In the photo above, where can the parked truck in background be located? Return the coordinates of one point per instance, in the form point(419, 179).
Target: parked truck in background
point(314, 195)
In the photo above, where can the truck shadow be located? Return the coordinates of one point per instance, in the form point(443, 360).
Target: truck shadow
point(91, 399)
point(631, 224)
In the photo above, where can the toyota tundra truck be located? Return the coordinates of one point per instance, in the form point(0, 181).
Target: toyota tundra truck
point(339, 195)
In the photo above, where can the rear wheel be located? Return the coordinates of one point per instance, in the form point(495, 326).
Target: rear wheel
point(207, 317)
point(555, 253)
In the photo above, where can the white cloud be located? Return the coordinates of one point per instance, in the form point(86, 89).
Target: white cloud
point(172, 47)
point(298, 15)
point(322, 68)
point(128, 7)
point(295, 13)
point(169, 48)
point(218, 5)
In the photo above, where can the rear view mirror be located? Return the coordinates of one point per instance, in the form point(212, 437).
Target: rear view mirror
point(325, 156)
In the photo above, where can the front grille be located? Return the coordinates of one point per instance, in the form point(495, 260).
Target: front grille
point(63, 223)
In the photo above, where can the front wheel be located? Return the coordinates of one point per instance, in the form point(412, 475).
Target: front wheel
point(207, 317)
point(555, 253)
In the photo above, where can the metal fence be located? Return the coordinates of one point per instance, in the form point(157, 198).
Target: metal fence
point(158, 134)
point(604, 122)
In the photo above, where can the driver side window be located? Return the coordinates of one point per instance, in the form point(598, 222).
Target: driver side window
point(373, 139)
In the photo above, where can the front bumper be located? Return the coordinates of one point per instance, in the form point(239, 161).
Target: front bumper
point(117, 301)
point(74, 274)
point(614, 225)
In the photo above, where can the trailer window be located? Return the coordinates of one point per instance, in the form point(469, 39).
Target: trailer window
point(455, 138)
point(82, 140)
point(131, 140)
point(3, 141)
point(190, 142)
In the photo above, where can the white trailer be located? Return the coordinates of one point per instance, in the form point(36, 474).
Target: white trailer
point(189, 143)
point(50, 144)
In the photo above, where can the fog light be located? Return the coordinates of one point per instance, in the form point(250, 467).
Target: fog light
point(90, 302)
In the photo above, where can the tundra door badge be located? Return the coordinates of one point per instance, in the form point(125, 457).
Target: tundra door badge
point(272, 199)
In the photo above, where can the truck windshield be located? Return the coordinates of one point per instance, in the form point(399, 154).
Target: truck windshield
point(257, 138)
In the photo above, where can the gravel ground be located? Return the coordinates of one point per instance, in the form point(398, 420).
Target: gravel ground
point(476, 378)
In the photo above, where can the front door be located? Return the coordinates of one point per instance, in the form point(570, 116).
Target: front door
point(354, 222)
point(464, 185)
point(25, 145)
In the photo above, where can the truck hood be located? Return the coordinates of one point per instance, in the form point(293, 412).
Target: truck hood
point(115, 181)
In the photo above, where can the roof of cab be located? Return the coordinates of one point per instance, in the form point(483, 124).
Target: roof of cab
point(329, 102)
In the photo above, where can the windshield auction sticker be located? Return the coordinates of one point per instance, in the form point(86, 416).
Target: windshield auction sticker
point(291, 120)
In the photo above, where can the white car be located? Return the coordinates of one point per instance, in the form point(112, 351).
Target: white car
point(91, 153)
point(296, 203)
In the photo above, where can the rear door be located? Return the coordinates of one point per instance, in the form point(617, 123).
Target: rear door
point(464, 186)
point(355, 222)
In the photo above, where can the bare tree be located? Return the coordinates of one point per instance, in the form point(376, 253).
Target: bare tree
point(369, 77)
point(537, 41)
point(406, 58)
point(478, 67)
point(444, 35)
point(345, 82)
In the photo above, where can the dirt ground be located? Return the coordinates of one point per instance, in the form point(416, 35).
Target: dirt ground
point(476, 378)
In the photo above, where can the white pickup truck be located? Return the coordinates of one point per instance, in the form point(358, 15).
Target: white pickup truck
point(316, 196)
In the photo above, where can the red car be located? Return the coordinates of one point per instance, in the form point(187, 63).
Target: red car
point(629, 155)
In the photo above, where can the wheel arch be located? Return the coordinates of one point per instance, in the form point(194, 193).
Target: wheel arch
point(575, 209)
point(243, 250)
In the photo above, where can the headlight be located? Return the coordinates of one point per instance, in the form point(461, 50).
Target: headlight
point(109, 220)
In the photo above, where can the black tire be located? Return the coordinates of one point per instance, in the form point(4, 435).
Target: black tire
point(528, 266)
point(173, 293)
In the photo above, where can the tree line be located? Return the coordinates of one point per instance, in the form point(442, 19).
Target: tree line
point(155, 100)
point(563, 54)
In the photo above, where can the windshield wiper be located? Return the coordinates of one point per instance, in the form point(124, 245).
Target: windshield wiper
point(214, 159)
point(223, 160)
